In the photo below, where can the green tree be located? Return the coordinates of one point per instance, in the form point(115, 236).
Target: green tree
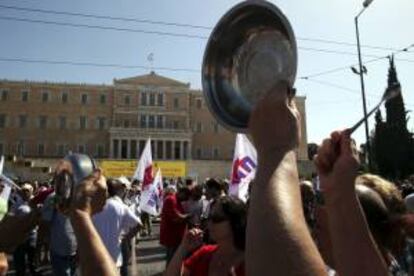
point(392, 142)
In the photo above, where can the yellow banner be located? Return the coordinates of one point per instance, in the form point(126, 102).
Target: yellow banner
point(117, 168)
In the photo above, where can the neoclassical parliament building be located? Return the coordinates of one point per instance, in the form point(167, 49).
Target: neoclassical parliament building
point(47, 120)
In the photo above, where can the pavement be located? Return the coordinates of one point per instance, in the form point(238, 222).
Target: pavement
point(149, 258)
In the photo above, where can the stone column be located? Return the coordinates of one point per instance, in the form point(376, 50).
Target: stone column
point(111, 148)
point(120, 149)
point(128, 149)
point(155, 153)
point(182, 150)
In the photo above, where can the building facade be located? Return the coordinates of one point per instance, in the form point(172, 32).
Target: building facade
point(41, 119)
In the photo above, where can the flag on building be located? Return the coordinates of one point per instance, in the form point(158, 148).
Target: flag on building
point(151, 198)
point(144, 172)
point(243, 168)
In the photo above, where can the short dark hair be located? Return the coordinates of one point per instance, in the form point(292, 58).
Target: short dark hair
point(236, 212)
point(113, 185)
point(215, 184)
point(189, 181)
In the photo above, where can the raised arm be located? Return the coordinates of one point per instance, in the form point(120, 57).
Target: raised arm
point(191, 241)
point(354, 249)
point(276, 225)
point(89, 199)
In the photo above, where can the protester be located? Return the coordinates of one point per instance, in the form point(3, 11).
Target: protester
point(278, 240)
point(195, 206)
point(173, 221)
point(61, 238)
point(25, 252)
point(227, 225)
point(115, 221)
point(337, 164)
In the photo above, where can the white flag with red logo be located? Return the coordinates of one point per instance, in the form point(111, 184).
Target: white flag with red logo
point(151, 198)
point(144, 171)
point(244, 167)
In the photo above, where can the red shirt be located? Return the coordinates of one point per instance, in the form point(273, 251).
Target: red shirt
point(172, 227)
point(199, 262)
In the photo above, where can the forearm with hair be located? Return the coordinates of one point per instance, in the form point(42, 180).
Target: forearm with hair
point(94, 258)
point(276, 225)
point(354, 249)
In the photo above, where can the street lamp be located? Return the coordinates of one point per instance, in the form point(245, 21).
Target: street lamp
point(361, 73)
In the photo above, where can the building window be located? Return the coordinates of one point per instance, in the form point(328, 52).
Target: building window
point(199, 127)
point(127, 100)
point(61, 150)
point(199, 103)
point(102, 99)
point(152, 99)
point(115, 144)
point(126, 123)
point(160, 121)
point(151, 121)
point(141, 146)
point(215, 153)
point(216, 127)
point(177, 150)
point(41, 149)
point(100, 123)
point(4, 95)
point(82, 122)
point(143, 98)
point(64, 97)
point(20, 148)
point(84, 98)
point(81, 149)
point(160, 100)
point(160, 150)
point(100, 150)
point(124, 149)
point(22, 121)
point(133, 150)
point(62, 122)
point(168, 146)
point(198, 153)
point(176, 103)
point(25, 95)
point(45, 97)
point(185, 150)
point(3, 120)
point(143, 121)
point(175, 124)
point(43, 122)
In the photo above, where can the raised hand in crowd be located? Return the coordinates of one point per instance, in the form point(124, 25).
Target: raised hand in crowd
point(276, 224)
point(89, 198)
point(193, 239)
point(354, 250)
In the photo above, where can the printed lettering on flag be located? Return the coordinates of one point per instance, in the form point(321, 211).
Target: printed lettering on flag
point(144, 171)
point(151, 197)
point(244, 167)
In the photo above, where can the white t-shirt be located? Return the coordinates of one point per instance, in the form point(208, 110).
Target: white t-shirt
point(114, 220)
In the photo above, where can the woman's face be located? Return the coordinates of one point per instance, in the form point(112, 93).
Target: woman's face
point(219, 224)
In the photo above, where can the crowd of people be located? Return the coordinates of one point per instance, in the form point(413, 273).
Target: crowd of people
point(341, 222)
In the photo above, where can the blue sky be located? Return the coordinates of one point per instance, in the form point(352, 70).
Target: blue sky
point(387, 24)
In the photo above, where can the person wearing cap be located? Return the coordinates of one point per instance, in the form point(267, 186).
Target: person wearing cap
point(28, 247)
point(116, 221)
